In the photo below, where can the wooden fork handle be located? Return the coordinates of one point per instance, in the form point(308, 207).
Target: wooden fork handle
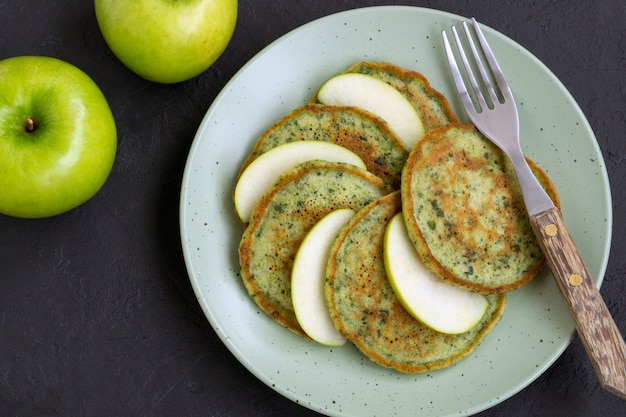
point(594, 323)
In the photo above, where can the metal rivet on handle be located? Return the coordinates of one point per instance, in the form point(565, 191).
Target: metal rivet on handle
point(575, 280)
point(551, 230)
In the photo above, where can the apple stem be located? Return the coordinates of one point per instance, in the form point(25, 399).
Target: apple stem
point(30, 125)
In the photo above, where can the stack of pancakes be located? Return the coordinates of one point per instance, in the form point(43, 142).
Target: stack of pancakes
point(462, 207)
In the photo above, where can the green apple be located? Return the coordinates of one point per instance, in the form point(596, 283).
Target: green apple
point(167, 41)
point(437, 304)
point(377, 97)
point(264, 170)
point(57, 137)
point(308, 276)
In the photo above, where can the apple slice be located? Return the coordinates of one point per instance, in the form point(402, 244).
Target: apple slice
point(377, 97)
point(308, 275)
point(439, 305)
point(263, 171)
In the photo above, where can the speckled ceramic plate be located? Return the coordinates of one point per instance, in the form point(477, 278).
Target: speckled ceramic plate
point(536, 327)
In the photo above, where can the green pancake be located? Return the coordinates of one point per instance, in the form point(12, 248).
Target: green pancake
point(361, 132)
point(366, 311)
point(465, 213)
point(284, 215)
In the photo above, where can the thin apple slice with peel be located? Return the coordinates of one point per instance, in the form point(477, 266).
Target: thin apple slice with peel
point(308, 275)
point(437, 304)
point(377, 97)
point(263, 171)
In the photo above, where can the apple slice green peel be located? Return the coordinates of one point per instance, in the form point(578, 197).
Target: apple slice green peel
point(263, 171)
point(439, 305)
point(308, 275)
point(377, 97)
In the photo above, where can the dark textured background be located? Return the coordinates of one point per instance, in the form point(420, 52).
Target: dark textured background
point(97, 316)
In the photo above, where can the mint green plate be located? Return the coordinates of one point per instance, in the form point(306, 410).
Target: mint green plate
point(536, 327)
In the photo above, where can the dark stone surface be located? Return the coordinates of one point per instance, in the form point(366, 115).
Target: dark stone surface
point(97, 315)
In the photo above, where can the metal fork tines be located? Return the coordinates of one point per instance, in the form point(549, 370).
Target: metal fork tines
point(490, 105)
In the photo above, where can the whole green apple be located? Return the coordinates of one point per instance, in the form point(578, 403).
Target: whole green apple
point(57, 137)
point(167, 41)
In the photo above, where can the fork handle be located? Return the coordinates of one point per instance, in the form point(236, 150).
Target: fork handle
point(594, 323)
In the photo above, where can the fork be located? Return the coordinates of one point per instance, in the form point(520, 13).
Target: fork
point(489, 104)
